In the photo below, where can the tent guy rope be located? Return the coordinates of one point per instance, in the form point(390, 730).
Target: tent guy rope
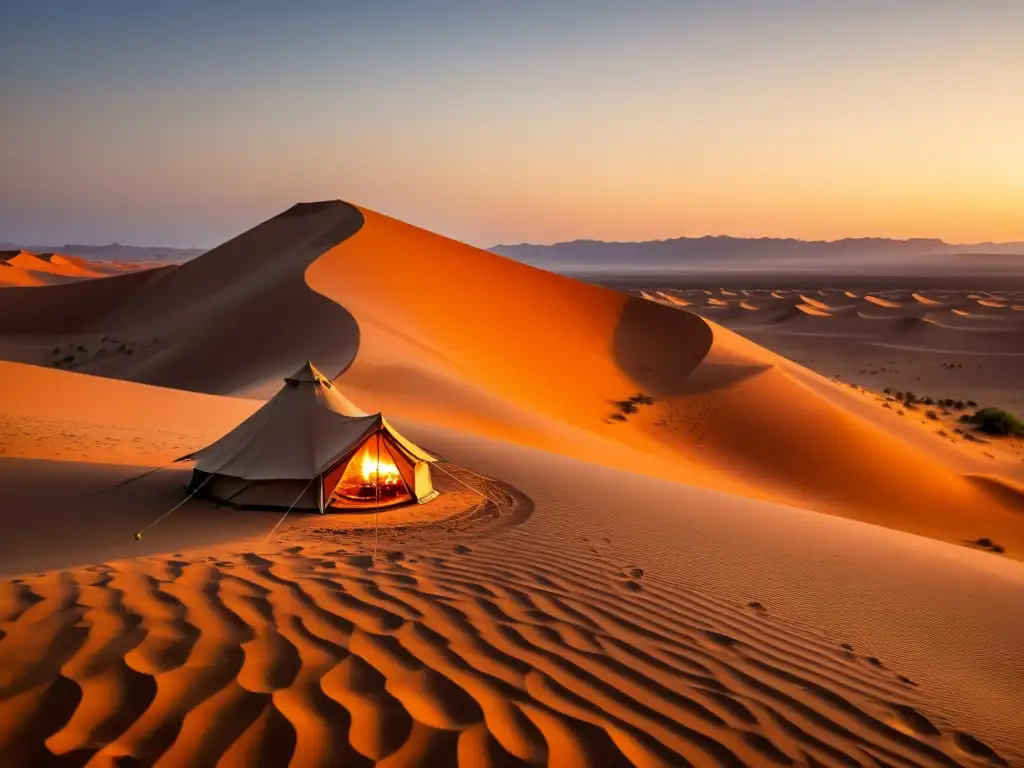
point(132, 479)
point(463, 482)
point(138, 535)
point(290, 506)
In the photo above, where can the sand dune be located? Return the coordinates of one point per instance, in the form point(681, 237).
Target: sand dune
point(557, 639)
point(658, 589)
point(15, 276)
point(882, 302)
point(673, 299)
point(237, 335)
point(814, 311)
point(24, 269)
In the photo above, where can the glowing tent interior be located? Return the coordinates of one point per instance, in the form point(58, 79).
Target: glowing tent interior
point(308, 447)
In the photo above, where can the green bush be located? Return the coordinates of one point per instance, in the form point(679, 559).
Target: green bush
point(995, 421)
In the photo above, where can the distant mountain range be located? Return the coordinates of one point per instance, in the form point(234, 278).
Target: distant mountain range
point(112, 252)
point(707, 253)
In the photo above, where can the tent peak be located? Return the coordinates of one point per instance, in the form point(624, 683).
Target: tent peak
point(307, 374)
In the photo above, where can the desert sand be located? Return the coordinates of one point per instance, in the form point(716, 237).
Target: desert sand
point(762, 565)
point(23, 268)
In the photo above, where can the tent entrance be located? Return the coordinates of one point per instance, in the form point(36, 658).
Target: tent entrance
point(369, 478)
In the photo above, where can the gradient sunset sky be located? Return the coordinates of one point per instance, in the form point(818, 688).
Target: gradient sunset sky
point(184, 123)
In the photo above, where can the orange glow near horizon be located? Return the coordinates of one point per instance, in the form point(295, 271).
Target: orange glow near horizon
point(512, 122)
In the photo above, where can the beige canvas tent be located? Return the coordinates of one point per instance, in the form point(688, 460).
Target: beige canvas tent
point(311, 447)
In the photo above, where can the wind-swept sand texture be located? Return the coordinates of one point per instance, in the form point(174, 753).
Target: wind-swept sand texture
point(598, 607)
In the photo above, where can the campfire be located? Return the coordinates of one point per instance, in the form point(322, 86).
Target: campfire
point(372, 478)
point(378, 471)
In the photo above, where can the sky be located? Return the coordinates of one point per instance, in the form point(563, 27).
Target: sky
point(184, 123)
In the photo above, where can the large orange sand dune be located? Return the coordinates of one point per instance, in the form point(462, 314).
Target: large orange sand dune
point(668, 594)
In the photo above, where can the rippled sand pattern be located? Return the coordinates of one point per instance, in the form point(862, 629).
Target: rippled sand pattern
point(478, 655)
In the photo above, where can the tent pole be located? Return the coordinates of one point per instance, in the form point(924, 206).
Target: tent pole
point(376, 500)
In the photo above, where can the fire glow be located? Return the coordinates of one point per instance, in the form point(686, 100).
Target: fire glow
point(378, 471)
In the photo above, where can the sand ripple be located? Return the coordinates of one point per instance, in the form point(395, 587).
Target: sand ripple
point(481, 655)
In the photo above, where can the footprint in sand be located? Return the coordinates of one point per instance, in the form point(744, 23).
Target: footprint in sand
point(755, 605)
point(461, 549)
point(394, 557)
point(914, 720)
point(977, 748)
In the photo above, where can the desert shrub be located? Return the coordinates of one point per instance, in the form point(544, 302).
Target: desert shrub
point(932, 415)
point(887, 405)
point(887, 390)
point(642, 399)
point(626, 406)
point(995, 421)
point(909, 398)
point(56, 350)
point(81, 348)
point(617, 417)
point(898, 395)
point(67, 359)
point(959, 405)
point(928, 401)
point(971, 404)
point(991, 546)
